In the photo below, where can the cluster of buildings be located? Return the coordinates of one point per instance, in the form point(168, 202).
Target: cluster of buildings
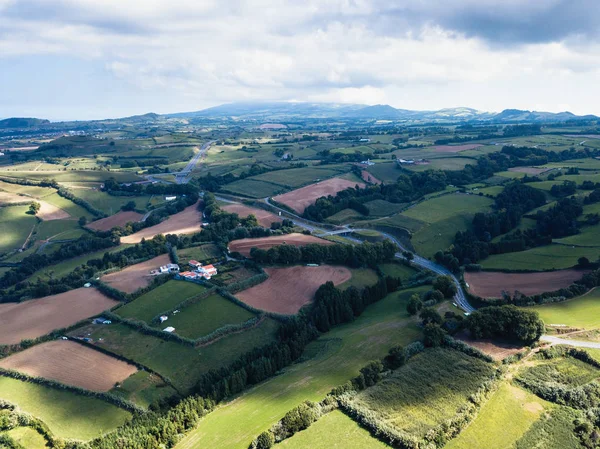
point(199, 271)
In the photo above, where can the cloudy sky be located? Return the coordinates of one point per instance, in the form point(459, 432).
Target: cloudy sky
point(82, 59)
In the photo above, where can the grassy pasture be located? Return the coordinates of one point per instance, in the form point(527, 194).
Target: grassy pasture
point(408, 402)
point(549, 257)
point(563, 370)
point(34, 191)
point(143, 388)
point(15, 226)
point(92, 176)
point(110, 204)
point(182, 364)
point(449, 163)
point(502, 421)
point(361, 277)
point(59, 230)
point(386, 171)
point(382, 208)
point(199, 253)
point(67, 415)
point(587, 237)
point(27, 438)
point(68, 206)
point(397, 270)
point(333, 431)
point(297, 177)
point(579, 312)
point(328, 362)
point(401, 221)
point(253, 188)
point(159, 300)
point(555, 430)
point(206, 316)
point(345, 216)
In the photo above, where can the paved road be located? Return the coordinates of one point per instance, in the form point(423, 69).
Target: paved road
point(566, 341)
point(183, 177)
point(459, 298)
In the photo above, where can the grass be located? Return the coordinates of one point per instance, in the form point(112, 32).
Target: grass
point(298, 177)
point(92, 176)
point(439, 235)
point(361, 277)
point(144, 388)
point(15, 226)
point(385, 172)
point(200, 253)
point(549, 257)
point(110, 204)
point(333, 431)
point(27, 438)
point(397, 270)
point(206, 316)
point(345, 216)
point(59, 230)
point(567, 371)
point(448, 206)
point(449, 163)
point(67, 415)
point(579, 312)
point(426, 391)
point(553, 431)
point(401, 221)
point(328, 362)
point(182, 364)
point(383, 208)
point(160, 299)
point(253, 188)
point(502, 421)
point(68, 206)
point(587, 237)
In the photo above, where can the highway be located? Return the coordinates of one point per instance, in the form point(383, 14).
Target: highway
point(183, 177)
point(318, 230)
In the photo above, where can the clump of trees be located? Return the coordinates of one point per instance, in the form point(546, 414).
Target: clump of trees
point(507, 322)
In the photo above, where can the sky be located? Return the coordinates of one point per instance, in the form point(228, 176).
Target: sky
point(90, 59)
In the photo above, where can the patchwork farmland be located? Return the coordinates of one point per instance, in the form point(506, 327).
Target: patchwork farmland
point(119, 219)
point(136, 276)
point(301, 198)
point(243, 246)
point(264, 217)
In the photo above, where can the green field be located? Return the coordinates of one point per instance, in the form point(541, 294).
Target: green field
point(385, 172)
point(15, 226)
point(144, 388)
point(549, 257)
point(68, 206)
point(94, 176)
point(407, 402)
point(201, 253)
point(27, 437)
point(587, 237)
point(582, 312)
point(382, 208)
point(67, 415)
point(160, 299)
point(330, 361)
point(253, 189)
point(110, 204)
point(345, 216)
point(502, 421)
point(333, 431)
point(297, 177)
point(449, 163)
point(555, 430)
point(398, 270)
point(567, 371)
point(59, 230)
point(206, 316)
point(361, 277)
point(180, 363)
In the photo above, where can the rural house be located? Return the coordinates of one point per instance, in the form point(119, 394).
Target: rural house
point(169, 268)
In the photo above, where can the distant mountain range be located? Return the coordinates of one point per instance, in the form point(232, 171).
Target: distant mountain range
point(291, 110)
point(296, 111)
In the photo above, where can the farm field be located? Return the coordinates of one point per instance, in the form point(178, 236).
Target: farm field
point(182, 364)
point(136, 276)
point(264, 217)
point(301, 198)
point(487, 284)
point(15, 226)
point(58, 229)
point(587, 237)
point(398, 270)
point(386, 171)
point(330, 361)
point(549, 257)
point(50, 212)
point(243, 246)
point(119, 219)
point(159, 300)
point(206, 316)
point(405, 402)
point(382, 208)
point(110, 204)
point(67, 415)
point(442, 163)
point(581, 312)
point(297, 177)
point(335, 430)
point(70, 363)
point(200, 253)
point(144, 388)
point(455, 148)
point(288, 289)
point(7, 198)
point(253, 189)
point(68, 206)
point(27, 438)
point(361, 277)
point(185, 222)
point(502, 421)
point(80, 176)
point(37, 317)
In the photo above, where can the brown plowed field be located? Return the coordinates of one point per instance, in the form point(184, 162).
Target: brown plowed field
point(135, 276)
point(37, 317)
point(11, 198)
point(300, 199)
point(119, 219)
point(185, 222)
point(495, 349)
point(488, 284)
point(49, 212)
point(288, 289)
point(455, 148)
point(70, 363)
point(368, 177)
point(244, 246)
point(264, 217)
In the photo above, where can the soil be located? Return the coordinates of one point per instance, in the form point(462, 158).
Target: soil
point(489, 284)
point(496, 350)
point(135, 276)
point(300, 199)
point(70, 363)
point(49, 212)
point(264, 217)
point(118, 219)
point(244, 246)
point(185, 222)
point(288, 289)
point(37, 317)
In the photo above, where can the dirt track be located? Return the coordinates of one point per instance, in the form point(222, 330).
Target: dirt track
point(455, 148)
point(135, 276)
point(118, 219)
point(264, 217)
point(288, 289)
point(185, 222)
point(488, 284)
point(70, 363)
point(300, 199)
point(244, 246)
point(37, 317)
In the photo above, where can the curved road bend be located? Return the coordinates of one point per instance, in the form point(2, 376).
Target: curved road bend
point(565, 341)
point(459, 298)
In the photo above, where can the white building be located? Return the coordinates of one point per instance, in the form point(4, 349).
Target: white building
point(169, 268)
